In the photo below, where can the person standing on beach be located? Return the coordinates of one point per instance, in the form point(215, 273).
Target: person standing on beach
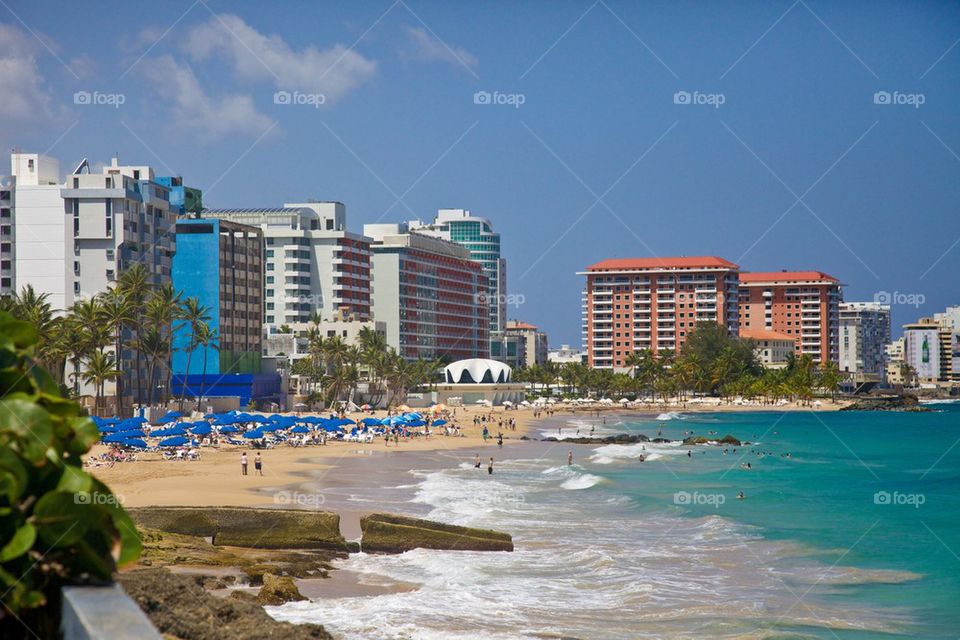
point(243, 463)
point(258, 464)
point(490, 467)
point(476, 462)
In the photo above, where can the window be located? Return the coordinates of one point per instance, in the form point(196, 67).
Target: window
point(110, 255)
point(76, 268)
point(76, 288)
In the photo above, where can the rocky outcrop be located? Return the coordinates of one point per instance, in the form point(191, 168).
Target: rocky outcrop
point(249, 527)
point(620, 438)
point(898, 402)
point(386, 533)
point(277, 590)
point(727, 439)
point(181, 608)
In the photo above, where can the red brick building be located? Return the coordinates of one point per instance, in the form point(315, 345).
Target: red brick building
point(802, 304)
point(653, 303)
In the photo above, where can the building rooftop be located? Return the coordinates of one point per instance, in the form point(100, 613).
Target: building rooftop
point(760, 334)
point(682, 262)
point(516, 324)
point(787, 276)
point(254, 210)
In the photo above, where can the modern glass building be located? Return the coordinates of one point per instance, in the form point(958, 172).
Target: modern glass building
point(477, 235)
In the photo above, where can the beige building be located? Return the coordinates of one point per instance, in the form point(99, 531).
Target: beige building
point(772, 348)
point(533, 342)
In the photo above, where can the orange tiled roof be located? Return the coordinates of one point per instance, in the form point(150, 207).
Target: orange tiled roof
point(760, 334)
point(786, 276)
point(515, 324)
point(662, 263)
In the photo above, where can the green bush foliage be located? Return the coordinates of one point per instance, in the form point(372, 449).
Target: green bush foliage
point(58, 524)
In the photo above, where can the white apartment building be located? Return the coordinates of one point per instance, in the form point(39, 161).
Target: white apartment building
point(70, 239)
point(864, 335)
point(312, 263)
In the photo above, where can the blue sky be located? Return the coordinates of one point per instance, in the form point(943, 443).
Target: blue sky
point(781, 158)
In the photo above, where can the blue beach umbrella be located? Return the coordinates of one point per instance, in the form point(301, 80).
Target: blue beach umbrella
point(253, 434)
point(176, 441)
point(135, 443)
point(229, 429)
point(300, 429)
point(439, 423)
point(203, 430)
point(113, 438)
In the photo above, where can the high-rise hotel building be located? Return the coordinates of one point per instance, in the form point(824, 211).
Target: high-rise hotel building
point(429, 293)
point(801, 304)
point(477, 235)
point(633, 304)
point(312, 263)
point(864, 336)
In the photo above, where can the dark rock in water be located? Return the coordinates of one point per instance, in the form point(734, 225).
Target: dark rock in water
point(180, 608)
point(894, 402)
point(661, 440)
point(620, 438)
point(387, 533)
point(525, 438)
point(727, 439)
point(277, 590)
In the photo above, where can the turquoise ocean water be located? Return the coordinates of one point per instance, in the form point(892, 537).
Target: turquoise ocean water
point(855, 535)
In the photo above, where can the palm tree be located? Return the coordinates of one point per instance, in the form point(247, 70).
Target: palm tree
point(117, 311)
point(160, 313)
point(99, 368)
point(193, 315)
point(134, 284)
point(207, 338)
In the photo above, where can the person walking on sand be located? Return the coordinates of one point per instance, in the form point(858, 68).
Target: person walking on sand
point(490, 467)
point(258, 464)
point(243, 463)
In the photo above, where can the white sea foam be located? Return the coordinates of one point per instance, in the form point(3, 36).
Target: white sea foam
point(608, 454)
point(582, 567)
point(671, 415)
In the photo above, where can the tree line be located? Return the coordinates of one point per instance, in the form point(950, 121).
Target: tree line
point(134, 318)
point(712, 363)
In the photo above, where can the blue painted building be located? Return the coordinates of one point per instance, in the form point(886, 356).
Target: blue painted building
point(220, 263)
point(183, 200)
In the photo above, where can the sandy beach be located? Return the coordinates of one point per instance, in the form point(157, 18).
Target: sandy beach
point(215, 479)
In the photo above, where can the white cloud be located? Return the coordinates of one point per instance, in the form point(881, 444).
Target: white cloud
point(254, 56)
point(196, 111)
point(424, 46)
point(26, 97)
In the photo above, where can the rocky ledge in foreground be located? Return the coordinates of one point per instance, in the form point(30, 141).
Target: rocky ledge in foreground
point(180, 608)
point(249, 527)
point(387, 533)
point(899, 402)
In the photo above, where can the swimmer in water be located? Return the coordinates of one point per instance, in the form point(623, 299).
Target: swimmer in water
point(740, 495)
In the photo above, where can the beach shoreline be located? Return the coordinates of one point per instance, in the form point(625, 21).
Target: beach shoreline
point(215, 479)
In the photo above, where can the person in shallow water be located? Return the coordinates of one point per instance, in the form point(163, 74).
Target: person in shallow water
point(476, 461)
point(490, 467)
point(570, 458)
